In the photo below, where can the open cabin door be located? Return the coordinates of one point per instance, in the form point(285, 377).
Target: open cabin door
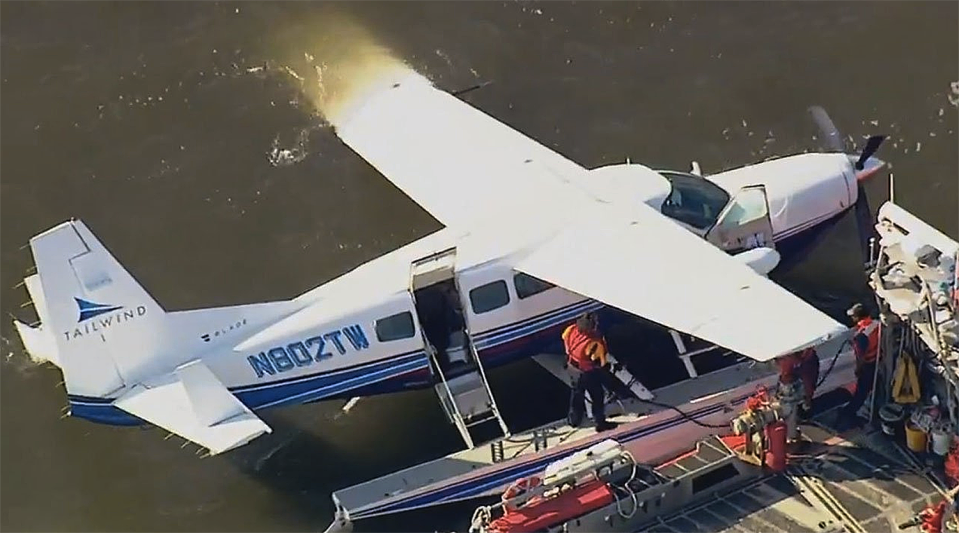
point(744, 223)
point(462, 386)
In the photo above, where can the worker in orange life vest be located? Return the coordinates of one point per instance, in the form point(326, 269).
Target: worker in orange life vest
point(803, 364)
point(586, 356)
point(865, 343)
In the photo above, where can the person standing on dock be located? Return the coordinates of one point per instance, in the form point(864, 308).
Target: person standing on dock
point(586, 356)
point(865, 343)
point(805, 365)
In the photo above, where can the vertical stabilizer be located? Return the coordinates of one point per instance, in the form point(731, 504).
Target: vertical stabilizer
point(104, 331)
point(106, 327)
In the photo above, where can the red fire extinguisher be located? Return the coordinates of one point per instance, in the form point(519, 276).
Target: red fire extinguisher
point(776, 446)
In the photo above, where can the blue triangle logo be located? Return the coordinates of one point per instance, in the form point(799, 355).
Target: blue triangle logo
point(89, 310)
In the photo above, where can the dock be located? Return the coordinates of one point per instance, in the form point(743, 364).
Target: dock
point(854, 482)
point(863, 480)
point(683, 412)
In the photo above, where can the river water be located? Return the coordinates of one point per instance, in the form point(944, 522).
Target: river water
point(180, 134)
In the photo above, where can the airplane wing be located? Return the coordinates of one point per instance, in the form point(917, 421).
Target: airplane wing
point(458, 163)
point(466, 168)
point(192, 403)
point(645, 264)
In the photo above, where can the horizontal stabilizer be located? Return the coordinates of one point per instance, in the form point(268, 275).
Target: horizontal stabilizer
point(194, 404)
point(211, 402)
point(38, 342)
point(35, 290)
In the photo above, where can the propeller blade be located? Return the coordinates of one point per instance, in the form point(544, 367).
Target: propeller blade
point(830, 133)
point(872, 145)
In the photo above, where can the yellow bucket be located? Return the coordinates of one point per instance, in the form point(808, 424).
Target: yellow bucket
point(915, 438)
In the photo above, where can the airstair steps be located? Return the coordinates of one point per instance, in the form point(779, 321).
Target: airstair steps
point(468, 400)
point(462, 387)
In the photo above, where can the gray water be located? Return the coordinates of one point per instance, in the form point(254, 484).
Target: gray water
point(176, 133)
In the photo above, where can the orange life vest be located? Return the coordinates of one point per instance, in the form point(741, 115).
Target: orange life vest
point(585, 352)
point(869, 328)
point(794, 364)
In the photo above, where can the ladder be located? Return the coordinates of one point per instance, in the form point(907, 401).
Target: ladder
point(464, 393)
point(468, 400)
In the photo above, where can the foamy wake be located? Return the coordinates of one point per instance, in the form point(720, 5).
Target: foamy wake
point(343, 66)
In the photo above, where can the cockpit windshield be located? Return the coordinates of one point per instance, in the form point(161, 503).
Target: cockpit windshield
point(693, 199)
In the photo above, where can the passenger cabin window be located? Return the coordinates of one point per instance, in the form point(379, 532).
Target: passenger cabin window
point(693, 199)
point(527, 285)
point(396, 327)
point(488, 297)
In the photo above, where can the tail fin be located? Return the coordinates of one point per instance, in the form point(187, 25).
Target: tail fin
point(103, 329)
point(102, 321)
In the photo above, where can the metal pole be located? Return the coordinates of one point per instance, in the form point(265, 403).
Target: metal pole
point(875, 378)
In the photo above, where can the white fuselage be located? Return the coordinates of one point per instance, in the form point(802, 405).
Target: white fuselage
point(360, 333)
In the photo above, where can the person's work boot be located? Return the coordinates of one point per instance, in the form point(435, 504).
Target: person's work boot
point(605, 425)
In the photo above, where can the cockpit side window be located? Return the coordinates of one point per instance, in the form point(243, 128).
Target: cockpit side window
point(693, 200)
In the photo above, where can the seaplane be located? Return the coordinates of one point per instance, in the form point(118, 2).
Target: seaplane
point(530, 241)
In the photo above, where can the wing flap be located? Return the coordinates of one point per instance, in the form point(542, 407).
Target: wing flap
point(194, 404)
point(649, 266)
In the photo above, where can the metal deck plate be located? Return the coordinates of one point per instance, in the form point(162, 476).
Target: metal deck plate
point(877, 491)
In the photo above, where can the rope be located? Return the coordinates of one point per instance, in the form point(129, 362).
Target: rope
point(630, 491)
point(686, 416)
point(832, 365)
point(481, 517)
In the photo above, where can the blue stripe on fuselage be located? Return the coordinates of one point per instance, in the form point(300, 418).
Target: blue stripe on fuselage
point(400, 372)
point(497, 346)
